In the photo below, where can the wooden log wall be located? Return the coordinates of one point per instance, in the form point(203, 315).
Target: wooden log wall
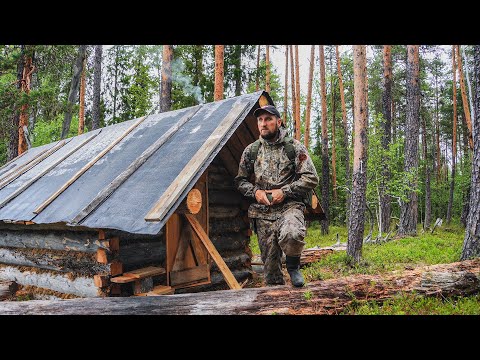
point(228, 228)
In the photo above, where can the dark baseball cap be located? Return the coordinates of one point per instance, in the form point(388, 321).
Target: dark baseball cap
point(268, 108)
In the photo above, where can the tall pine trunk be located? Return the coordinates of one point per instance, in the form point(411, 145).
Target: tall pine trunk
point(267, 68)
point(437, 131)
point(81, 112)
point(285, 97)
point(385, 200)
point(237, 75)
point(306, 137)
point(466, 110)
point(356, 221)
point(166, 93)
point(97, 82)
point(454, 137)
point(325, 161)
point(471, 242)
point(409, 208)
point(334, 152)
point(428, 197)
point(219, 59)
point(12, 150)
point(294, 96)
point(28, 70)
point(297, 97)
point(470, 94)
point(72, 95)
point(257, 83)
point(345, 130)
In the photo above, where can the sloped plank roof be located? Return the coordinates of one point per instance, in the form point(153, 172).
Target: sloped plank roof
point(126, 208)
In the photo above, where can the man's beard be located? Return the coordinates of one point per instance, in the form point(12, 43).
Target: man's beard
point(271, 135)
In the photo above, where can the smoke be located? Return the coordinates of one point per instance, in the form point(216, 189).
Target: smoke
point(181, 78)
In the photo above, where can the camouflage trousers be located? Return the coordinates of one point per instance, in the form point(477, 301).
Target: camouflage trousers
point(286, 234)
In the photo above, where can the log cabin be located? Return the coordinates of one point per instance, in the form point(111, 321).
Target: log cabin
point(141, 208)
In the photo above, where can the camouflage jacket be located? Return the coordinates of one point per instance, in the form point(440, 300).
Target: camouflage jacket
point(273, 170)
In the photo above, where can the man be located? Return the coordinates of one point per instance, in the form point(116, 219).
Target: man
point(279, 186)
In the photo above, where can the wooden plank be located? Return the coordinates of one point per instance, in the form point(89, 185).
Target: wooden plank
point(139, 161)
point(145, 272)
point(86, 167)
point(122, 279)
point(158, 291)
point(34, 179)
point(198, 250)
point(166, 201)
point(189, 276)
point(227, 274)
point(116, 268)
point(184, 256)
point(100, 280)
point(172, 236)
point(101, 234)
point(7, 180)
point(101, 256)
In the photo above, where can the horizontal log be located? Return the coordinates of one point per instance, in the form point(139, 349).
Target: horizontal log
point(53, 240)
point(224, 197)
point(325, 297)
point(222, 212)
point(219, 181)
point(217, 282)
point(67, 283)
point(229, 242)
point(62, 261)
point(7, 289)
point(138, 255)
point(233, 261)
point(220, 226)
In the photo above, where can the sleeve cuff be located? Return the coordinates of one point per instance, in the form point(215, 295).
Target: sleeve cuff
point(287, 191)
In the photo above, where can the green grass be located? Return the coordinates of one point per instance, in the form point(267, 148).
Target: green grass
point(444, 246)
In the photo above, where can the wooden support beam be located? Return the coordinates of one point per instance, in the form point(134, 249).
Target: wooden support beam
point(35, 178)
point(192, 276)
point(139, 161)
point(176, 188)
point(8, 179)
point(227, 274)
point(158, 291)
point(145, 272)
point(80, 172)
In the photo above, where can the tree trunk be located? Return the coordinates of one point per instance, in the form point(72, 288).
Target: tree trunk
point(471, 242)
point(294, 96)
point(13, 144)
point(428, 202)
point(345, 130)
point(470, 94)
point(465, 207)
point(325, 160)
point(28, 70)
point(115, 81)
point(72, 95)
point(81, 112)
point(466, 110)
point(238, 70)
point(97, 81)
point(285, 97)
point(219, 59)
point(309, 97)
point(334, 153)
point(356, 223)
point(166, 98)
point(409, 208)
point(437, 129)
point(298, 134)
point(385, 200)
point(454, 137)
point(267, 68)
point(257, 83)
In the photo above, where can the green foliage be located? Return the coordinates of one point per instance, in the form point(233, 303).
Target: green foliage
point(46, 132)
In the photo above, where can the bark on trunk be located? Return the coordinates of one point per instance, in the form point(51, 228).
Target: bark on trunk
point(237, 75)
point(471, 242)
point(166, 97)
point(356, 223)
point(454, 137)
point(309, 97)
point(72, 95)
point(97, 81)
point(294, 95)
point(334, 153)
point(325, 160)
point(385, 200)
point(466, 109)
point(409, 208)
point(28, 69)
point(81, 112)
point(327, 296)
point(428, 202)
point(285, 97)
point(298, 133)
point(257, 83)
point(219, 59)
point(345, 131)
point(267, 68)
point(13, 144)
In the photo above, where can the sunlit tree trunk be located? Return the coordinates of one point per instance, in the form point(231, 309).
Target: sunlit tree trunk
point(267, 68)
point(97, 82)
point(385, 201)
point(345, 129)
point(356, 220)
point(81, 112)
point(309, 97)
point(454, 137)
point(470, 94)
point(28, 69)
point(428, 202)
point(294, 96)
point(325, 160)
point(471, 242)
point(437, 131)
point(219, 71)
point(409, 208)
point(466, 110)
point(74, 86)
point(297, 97)
point(166, 93)
point(334, 152)
point(285, 98)
point(257, 83)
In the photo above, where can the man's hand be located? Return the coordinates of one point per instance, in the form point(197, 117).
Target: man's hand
point(277, 196)
point(261, 197)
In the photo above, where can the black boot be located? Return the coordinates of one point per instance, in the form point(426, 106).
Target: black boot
point(293, 268)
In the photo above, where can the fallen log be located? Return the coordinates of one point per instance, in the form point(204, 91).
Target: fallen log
point(325, 297)
point(7, 289)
